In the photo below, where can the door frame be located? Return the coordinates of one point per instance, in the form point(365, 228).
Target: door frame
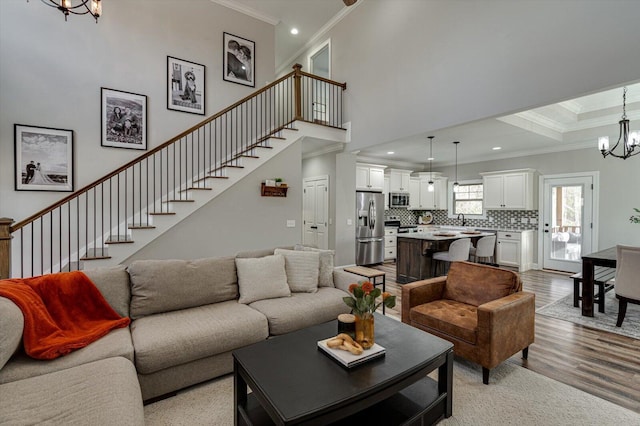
point(327, 209)
point(595, 200)
point(314, 52)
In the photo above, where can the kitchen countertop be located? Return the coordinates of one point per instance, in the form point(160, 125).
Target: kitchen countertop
point(430, 236)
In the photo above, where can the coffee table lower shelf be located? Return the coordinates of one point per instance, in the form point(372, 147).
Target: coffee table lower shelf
point(418, 404)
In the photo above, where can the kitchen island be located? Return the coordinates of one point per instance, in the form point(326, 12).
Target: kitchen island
point(415, 250)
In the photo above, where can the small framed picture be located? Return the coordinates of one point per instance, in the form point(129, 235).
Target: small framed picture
point(239, 63)
point(185, 86)
point(44, 159)
point(123, 119)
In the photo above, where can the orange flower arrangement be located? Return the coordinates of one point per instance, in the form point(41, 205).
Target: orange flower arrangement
point(363, 299)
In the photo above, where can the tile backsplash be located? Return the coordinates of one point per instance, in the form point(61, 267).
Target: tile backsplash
point(502, 219)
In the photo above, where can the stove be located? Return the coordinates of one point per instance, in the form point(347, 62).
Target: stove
point(407, 229)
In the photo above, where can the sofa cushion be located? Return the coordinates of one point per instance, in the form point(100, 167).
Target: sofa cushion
point(247, 254)
point(262, 278)
point(177, 337)
point(168, 285)
point(325, 274)
point(11, 326)
point(116, 343)
point(459, 320)
point(302, 269)
point(302, 310)
point(113, 283)
point(476, 284)
point(104, 392)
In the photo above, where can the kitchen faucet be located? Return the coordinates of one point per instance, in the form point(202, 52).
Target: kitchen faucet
point(463, 221)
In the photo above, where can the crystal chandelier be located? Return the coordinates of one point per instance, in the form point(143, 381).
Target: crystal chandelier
point(630, 141)
point(82, 7)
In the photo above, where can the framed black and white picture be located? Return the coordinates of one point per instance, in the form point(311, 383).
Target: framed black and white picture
point(239, 60)
point(185, 86)
point(43, 159)
point(123, 119)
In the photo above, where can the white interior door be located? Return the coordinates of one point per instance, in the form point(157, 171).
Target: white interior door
point(315, 211)
point(567, 222)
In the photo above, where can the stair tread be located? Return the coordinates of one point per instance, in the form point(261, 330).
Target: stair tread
point(194, 188)
point(134, 226)
point(179, 201)
point(162, 213)
point(119, 239)
point(95, 254)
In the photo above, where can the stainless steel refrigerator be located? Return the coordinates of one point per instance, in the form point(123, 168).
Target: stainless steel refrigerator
point(369, 228)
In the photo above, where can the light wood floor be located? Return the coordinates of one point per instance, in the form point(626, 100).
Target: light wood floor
point(603, 364)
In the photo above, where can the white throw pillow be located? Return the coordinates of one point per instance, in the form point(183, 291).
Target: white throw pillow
point(262, 278)
point(325, 277)
point(302, 269)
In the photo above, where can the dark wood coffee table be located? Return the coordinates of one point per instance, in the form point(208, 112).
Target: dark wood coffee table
point(293, 382)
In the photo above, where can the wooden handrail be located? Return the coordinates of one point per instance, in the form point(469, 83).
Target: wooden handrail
point(143, 156)
point(297, 72)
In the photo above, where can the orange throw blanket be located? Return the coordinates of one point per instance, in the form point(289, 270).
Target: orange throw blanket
point(62, 312)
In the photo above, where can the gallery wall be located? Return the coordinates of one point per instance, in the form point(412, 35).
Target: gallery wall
point(51, 72)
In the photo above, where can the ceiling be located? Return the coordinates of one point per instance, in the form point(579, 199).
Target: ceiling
point(569, 125)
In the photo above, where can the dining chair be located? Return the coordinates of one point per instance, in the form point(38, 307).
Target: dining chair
point(484, 249)
point(627, 284)
point(458, 251)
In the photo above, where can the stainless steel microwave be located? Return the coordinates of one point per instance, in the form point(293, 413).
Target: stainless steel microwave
point(398, 200)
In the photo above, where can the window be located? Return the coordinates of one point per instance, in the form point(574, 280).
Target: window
point(467, 199)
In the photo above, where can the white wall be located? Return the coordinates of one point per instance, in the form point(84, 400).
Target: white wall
point(619, 192)
point(345, 209)
point(51, 72)
point(414, 66)
point(239, 219)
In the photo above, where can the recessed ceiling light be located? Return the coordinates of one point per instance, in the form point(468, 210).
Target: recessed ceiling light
point(430, 159)
point(495, 148)
point(390, 152)
point(294, 31)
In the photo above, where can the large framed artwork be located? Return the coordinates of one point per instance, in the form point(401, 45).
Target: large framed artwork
point(43, 159)
point(239, 60)
point(123, 119)
point(185, 86)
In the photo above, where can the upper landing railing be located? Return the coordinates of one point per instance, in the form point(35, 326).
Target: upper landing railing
point(80, 226)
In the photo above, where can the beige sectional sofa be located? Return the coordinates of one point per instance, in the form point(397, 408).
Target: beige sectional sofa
point(186, 320)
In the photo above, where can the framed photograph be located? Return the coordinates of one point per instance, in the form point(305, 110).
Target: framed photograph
point(123, 119)
point(238, 60)
point(44, 159)
point(185, 86)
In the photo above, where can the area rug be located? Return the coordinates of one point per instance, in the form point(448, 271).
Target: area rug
point(515, 396)
point(563, 309)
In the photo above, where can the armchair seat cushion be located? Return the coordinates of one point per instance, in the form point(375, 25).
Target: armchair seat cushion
point(455, 319)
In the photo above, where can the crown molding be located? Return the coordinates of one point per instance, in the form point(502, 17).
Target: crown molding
point(231, 4)
point(390, 163)
point(319, 34)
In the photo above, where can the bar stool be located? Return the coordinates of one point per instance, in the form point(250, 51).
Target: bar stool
point(458, 251)
point(485, 247)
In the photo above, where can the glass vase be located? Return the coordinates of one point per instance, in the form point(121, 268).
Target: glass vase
point(365, 330)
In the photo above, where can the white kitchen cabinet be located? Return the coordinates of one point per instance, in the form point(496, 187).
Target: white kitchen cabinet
point(385, 192)
point(399, 180)
point(369, 177)
point(514, 190)
point(515, 249)
point(390, 243)
point(414, 194)
point(435, 200)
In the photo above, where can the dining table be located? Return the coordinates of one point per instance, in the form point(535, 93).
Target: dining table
point(606, 258)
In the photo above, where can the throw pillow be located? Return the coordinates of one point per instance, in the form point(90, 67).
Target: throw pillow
point(302, 269)
point(325, 275)
point(262, 278)
point(11, 327)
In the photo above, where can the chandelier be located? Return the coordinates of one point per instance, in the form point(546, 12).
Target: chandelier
point(630, 141)
point(82, 7)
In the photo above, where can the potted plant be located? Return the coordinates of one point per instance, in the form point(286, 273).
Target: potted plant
point(280, 183)
point(636, 217)
point(363, 304)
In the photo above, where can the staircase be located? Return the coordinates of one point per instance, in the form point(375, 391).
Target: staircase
point(111, 219)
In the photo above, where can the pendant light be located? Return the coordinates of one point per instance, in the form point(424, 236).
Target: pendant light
point(430, 186)
point(455, 184)
point(83, 7)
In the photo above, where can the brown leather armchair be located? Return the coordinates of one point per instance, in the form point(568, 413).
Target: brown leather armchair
point(482, 310)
